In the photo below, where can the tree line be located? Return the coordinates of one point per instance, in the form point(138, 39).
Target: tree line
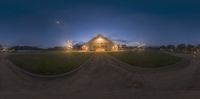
point(1, 47)
point(181, 48)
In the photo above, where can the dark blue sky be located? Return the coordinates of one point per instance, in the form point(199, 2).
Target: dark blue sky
point(154, 22)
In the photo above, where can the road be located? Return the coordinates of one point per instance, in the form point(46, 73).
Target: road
point(101, 78)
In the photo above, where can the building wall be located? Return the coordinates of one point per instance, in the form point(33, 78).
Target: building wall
point(99, 42)
point(107, 45)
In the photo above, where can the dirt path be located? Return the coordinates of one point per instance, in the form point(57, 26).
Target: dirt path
point(101, 78)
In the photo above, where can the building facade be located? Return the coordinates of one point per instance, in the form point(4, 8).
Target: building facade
point(100, 43)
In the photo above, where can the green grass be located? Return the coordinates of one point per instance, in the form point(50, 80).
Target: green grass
point(49, 63)
point(147, 58)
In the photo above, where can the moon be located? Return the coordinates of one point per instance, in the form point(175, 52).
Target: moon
point(58, 22)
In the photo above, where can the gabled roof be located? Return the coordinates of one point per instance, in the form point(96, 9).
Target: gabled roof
point(99, 35)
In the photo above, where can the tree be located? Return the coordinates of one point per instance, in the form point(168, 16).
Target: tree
point(190, 47)
point(170, 47)
point(181, 46)
point(26, 48)
point(198, 46)
point(1, 47)
point(163, 47)
point(122, 42)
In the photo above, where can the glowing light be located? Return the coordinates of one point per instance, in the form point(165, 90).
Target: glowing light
point(140, 44)
point(69, 44)
point(100, 40)
point(137, 44)
point(84, 47)
point(115, 47)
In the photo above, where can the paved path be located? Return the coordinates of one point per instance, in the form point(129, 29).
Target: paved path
point(102, 78)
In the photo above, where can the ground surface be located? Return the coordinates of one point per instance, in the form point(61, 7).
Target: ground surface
point(102, 78)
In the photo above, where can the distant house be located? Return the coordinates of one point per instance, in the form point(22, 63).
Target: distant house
point(100, 43)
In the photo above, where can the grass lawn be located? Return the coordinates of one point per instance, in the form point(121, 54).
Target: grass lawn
point(147, 58)
point(49, 63)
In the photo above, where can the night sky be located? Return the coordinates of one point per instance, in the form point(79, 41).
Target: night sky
point(47, 23)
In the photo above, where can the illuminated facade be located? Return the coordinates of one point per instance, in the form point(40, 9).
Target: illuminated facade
point(100, 43)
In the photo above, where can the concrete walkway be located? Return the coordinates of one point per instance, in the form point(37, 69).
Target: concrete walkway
point(102, 78)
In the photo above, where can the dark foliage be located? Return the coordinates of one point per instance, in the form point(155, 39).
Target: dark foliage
point(25, 48)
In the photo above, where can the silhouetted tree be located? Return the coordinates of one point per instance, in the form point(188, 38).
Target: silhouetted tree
point(190, 47)
point(181, 46)
point(163, 47)
point(122, 42)
point(198, 46)
point(1, 47)
point(56, 48)
point(26, 48)
point(78, 46)
point(170, 47)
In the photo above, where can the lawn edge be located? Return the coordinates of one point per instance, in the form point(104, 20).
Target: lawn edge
point(183, 64)
point(49, 76)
